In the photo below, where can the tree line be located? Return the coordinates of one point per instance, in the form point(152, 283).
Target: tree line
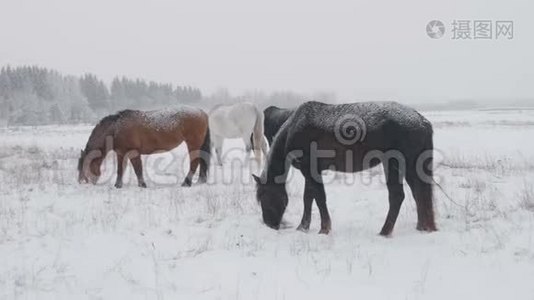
point(31, 95)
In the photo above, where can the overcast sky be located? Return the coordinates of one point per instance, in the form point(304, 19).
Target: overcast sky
point(357, 49)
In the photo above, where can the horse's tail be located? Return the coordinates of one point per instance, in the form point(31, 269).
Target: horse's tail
point(205, 156)
point(427, 190)
point(420, 178)
point(258, 142)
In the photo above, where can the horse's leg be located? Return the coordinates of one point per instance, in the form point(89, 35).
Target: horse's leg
point(396, 195)
point(248, 144)
point(422, 194)
point(203, 163)
point(120, 170)
point(218, 143)
point(194, 162)
point(264, 146)
point(308, 200)
point(258, 145)
point(317, 188)
point(138, 168)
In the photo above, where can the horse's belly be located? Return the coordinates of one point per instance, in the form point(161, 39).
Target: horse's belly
point(149, 141)
point(343, 165)
point(230, 130)
point(232, 126)
point(337, 157)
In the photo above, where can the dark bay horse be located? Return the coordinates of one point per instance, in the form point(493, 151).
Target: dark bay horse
point(131, 133)
point(274, 118)
point(350, 138)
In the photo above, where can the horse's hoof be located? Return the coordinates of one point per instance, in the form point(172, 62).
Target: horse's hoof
point(303, 228)
point(427, 228)
point(386, 231)
point(186, 184)
point(385, 234)
point(118, 185)
point(324, 231)
point(326, 226)
point(142, 185)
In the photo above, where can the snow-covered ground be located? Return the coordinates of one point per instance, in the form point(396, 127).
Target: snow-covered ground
point(60, 239)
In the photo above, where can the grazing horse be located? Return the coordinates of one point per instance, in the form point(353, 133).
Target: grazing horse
point(350, 138)
point(274, 118)
point(131, 133)
point(239, 120)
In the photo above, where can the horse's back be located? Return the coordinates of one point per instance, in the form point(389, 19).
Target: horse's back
point(160, 130)
point(275, 117)
point(370, 116)
point(235, 110)
point(162, 120)
point(361, 127)
point(234, 120)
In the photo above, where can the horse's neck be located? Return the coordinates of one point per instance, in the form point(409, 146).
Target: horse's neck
point(101, 138)
point(276, 162)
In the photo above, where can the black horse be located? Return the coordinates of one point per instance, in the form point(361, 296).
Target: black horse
point(350, 138)
point(273, 118)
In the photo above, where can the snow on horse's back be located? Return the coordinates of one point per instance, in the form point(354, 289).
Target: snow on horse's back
point(238, 120)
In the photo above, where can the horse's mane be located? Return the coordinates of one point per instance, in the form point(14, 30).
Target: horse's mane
point(219, 105)
point(216, 106)
point(108, 120)
point(103, 126)
point(276, 159)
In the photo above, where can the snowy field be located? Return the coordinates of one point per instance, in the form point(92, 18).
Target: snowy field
point(60, 239)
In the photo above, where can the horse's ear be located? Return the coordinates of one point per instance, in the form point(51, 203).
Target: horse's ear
point(256, 178)
point(81, 152)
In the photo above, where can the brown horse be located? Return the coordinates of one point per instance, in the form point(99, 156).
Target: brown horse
point(131, 133)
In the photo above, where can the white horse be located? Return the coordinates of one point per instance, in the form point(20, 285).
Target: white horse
point(239, 120)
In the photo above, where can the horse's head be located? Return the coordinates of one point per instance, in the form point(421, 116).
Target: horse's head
point(89, 166)
point(273, 200)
